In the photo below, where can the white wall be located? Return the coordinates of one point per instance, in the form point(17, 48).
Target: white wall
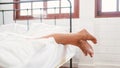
point(107, 51)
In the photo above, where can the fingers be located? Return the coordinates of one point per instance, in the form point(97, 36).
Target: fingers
point(91, 53)
point(93, 39)
point(83, 50)
point(86, 48)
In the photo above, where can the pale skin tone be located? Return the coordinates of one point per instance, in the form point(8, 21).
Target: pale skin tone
point(79, 39)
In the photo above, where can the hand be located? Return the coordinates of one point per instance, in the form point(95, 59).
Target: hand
point(86, 48)
point(83, 44)
point(85, 35)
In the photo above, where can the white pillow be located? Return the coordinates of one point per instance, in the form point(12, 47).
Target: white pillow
point(13, 27)
point(41, 29)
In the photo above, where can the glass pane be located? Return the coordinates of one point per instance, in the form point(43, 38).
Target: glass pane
point(37, 4)
point(52, 4)
point(36, 8)
point(25, 6)
point(119, 5)
point(66, 4)
point(109, 5)
point(24, 12)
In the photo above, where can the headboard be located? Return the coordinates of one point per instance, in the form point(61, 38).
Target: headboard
point(40, 18)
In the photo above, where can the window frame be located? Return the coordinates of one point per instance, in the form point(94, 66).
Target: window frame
point(17, 16)
point(100, 14)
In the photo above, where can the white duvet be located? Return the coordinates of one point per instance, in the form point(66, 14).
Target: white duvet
point(18, 52)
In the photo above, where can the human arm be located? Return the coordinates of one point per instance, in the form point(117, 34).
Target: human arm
point(78, 39)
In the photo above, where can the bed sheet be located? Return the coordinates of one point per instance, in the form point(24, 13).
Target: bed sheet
point(14, 50)
point(42, 53)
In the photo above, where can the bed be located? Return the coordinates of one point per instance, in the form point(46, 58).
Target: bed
point(35, 55)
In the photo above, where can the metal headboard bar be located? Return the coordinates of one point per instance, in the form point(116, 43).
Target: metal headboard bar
point(70, 15)
point(33, 9)
point(70, 25)
point(40, 16)
point(3, 16)
point(26, 1)
point(14, 15)
point(28, 26)
point(55, 16)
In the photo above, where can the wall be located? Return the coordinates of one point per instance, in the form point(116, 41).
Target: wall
point(107, 31)
point(107, 51)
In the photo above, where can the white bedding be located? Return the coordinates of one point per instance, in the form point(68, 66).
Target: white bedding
point(14, 28)
point(18, 52)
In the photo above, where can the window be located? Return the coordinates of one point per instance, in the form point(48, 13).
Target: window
point(46, 13)
point(107, 8)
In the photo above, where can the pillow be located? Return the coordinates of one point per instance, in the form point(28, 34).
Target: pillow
point(41, 26)
point(13, 27)
point(41, 29)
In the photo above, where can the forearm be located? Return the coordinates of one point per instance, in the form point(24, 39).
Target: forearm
point(69, 38)
point(60, 38)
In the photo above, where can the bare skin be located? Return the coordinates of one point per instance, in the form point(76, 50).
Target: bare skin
point(78, 39)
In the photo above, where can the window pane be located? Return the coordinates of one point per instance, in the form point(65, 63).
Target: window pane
point(119, 5)
point(109, 5)
point(36, 8)
point(25, 6)
point(66, 4)
point(52, 4)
